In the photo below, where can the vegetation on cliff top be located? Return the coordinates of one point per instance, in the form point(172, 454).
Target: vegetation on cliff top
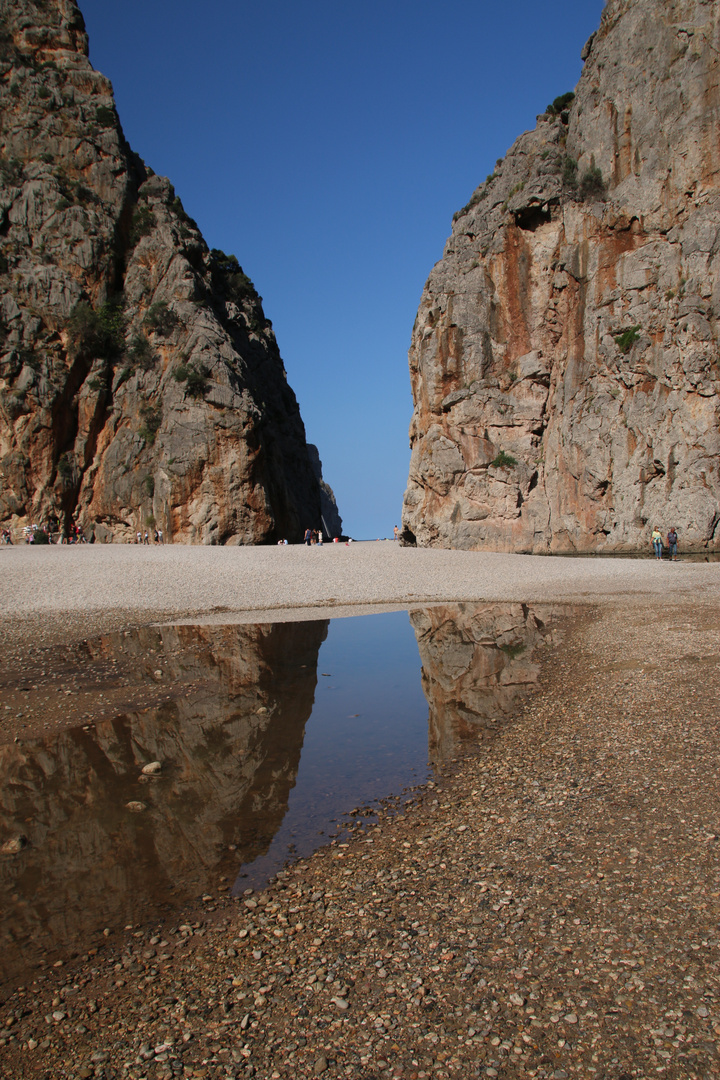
point(561, 104)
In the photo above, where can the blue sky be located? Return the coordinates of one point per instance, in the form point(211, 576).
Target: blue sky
point(327, 145)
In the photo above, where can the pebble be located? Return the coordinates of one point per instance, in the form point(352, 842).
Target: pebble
point(570, 930)
point(14, 846)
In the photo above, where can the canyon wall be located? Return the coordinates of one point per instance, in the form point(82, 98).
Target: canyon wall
point(140, 383)
point(564, 360)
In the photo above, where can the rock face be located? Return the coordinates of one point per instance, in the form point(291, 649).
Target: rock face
point(564, 360)
point(140, 382)
point(330, 517)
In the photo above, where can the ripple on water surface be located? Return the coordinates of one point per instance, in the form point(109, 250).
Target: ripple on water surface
point(267, 735)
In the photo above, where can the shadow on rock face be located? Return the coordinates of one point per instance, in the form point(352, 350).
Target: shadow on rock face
point(90, 841)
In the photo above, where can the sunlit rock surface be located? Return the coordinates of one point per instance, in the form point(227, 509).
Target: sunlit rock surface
point(564, 360)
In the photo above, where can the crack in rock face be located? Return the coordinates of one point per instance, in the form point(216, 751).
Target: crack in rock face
point(564, 360)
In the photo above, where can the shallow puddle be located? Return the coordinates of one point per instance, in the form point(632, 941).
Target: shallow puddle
point(266, 737)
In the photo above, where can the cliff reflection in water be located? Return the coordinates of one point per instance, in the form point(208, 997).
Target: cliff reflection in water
point(229, 711)
point(478, 663)
point(229, 741)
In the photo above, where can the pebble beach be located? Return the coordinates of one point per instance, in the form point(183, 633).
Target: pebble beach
point(99, 581)
point(547, 907)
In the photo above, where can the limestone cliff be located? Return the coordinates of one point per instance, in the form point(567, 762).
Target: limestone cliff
point(331, 522)
point(140, 382)
point(564, 361)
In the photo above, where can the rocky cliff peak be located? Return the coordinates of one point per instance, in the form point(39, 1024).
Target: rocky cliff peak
point(140, 381)
point(564, 360)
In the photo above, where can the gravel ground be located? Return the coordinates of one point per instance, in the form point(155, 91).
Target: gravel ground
point(50, 594)
point(176, 579)
point(549, 908)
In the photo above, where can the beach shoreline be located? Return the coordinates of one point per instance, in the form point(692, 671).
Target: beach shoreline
point(179, 580)
point(546, 907)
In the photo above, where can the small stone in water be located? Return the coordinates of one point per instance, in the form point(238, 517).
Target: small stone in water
point(14, 846)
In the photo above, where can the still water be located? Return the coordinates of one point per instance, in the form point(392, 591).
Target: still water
point(267, 735)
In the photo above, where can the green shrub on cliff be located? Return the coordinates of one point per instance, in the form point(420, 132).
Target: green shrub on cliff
point(627, 338)
point(11, 171)
point(104, 116)
point(101, 332)
point(592, 185)
point(561, 104)
point(195, 378)
point(152, 419)
point(64, 468)
point(229, 276)
point(160, 319)
point(143, 223)
point(475, 198)
point(140, 353)
point(503, 461)
point(569, 172)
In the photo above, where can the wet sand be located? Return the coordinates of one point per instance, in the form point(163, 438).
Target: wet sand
point(549, 908)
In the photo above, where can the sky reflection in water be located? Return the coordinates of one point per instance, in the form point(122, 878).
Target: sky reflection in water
point(267, 735)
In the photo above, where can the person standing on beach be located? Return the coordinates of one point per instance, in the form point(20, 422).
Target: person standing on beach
point(308, 537)
point(672, 543)
point(657, 542)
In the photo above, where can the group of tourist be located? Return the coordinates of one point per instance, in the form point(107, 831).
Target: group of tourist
point(672, 543)
point(45, 534)
point(144, 538)
point(313, 536)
